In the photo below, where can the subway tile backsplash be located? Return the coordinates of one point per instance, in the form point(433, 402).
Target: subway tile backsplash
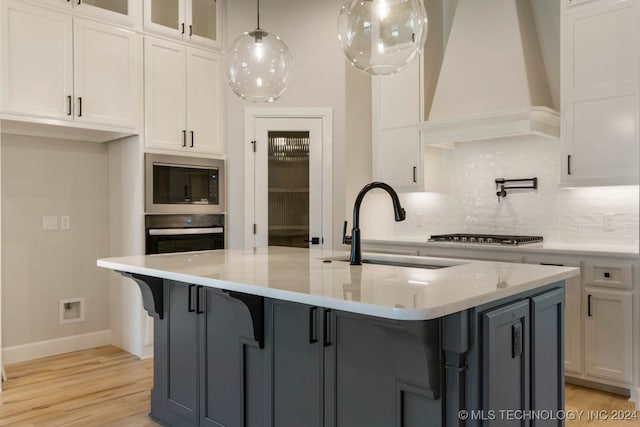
point(470, 204)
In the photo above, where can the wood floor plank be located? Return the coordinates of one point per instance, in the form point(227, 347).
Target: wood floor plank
point(96, 387)
point(106, 386)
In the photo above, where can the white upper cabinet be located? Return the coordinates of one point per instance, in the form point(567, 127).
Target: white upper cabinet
point(123, 12)
point(397, 98)
point(37, 77)
point(397, 150)
point(204, 101)
point(66, 68)
point(600, 92)
point(399, 156)
point(197, 21)
point(107, 74)
point(182, 98)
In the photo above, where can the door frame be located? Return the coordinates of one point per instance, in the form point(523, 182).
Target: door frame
point(250, 117)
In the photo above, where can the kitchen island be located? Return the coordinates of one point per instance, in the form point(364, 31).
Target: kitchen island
point(294, 337)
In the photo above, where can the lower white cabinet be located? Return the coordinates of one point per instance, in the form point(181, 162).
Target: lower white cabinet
point(573, 326)
point(572, 313)
point(607, 334)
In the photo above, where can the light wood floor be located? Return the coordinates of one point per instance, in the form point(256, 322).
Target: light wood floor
point(106, 386)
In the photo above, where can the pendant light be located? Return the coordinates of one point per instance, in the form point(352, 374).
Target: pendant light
point(382, 36)
point(258, 65)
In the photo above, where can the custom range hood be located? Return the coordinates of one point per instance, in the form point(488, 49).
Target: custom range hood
point(492, 83)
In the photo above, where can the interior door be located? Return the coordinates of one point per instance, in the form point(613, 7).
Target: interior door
point(288, 182)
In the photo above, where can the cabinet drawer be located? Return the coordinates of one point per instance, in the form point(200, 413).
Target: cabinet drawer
point(608, 274)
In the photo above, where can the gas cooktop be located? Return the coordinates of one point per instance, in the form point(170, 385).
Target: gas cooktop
point(491, 239)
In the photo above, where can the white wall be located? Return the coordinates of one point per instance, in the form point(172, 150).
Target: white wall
point(43, 176)
point(470, 203)
point(319, 80)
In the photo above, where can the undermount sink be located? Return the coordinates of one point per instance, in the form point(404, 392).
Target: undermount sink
point(430, 263)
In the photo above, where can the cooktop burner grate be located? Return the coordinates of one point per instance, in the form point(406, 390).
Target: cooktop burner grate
point(491, 239)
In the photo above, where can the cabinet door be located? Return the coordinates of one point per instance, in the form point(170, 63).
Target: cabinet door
point(232, 366)
point(182, 351)
point(297, 364)
point(165, 94)
point(397, 155)
point(396, 98)
point(165, 17)
point(601, 45)
point(381, 373)
point(107, 74)
point(573, 326)
point(204, 100)
point(572, 313)
point(125, 12)
point(37, 73)
point(205, 22)
point(505, 360)
point(547, 374)
point(607, 334)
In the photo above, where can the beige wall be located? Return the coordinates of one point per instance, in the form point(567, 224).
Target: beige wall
point(52, 177)
point(321, 79)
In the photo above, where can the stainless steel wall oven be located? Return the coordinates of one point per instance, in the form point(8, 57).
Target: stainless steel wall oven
point(183, 233)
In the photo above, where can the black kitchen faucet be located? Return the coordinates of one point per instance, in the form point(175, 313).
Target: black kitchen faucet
point(354, 239)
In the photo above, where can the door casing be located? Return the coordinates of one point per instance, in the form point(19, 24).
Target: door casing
point(250, 117)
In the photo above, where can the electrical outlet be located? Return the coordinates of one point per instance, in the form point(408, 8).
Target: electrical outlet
point(49, 222)
point(608, 222)
point(65, 222)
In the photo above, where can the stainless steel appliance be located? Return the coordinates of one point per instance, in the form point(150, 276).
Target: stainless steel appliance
point(183, 233)
point(487, 239)
point(184, 185)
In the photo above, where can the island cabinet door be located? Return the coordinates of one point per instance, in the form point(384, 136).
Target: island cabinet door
point(181, 351)
point(231, 363)
point(382, 373)
point(294, 333)
point(547, 373)
point(505, 363)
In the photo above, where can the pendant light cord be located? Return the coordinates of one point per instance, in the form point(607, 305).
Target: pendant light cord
point(258, 13)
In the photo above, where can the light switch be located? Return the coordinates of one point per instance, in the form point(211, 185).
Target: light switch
point(49, 222)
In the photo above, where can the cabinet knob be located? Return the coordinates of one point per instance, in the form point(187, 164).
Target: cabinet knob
point(607, 274)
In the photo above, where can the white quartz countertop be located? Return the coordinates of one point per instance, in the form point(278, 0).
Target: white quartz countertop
point(622, 251)
point(304, 276)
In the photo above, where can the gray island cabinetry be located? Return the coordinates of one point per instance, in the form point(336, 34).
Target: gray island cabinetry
point(360, 346)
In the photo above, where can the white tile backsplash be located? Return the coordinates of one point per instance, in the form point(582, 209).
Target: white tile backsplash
point(470, 203)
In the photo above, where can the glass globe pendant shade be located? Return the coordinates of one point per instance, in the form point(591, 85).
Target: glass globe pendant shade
point(258, 66)
point(382, 36)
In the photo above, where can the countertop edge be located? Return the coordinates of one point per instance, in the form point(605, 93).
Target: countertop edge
point(406, 314)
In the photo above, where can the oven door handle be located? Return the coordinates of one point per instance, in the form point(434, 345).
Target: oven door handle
point(184, 231)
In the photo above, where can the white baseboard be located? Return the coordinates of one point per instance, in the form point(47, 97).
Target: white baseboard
point(40, 349)
point(635, 397)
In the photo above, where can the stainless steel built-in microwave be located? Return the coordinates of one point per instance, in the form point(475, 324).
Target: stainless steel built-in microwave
point(184, 185)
